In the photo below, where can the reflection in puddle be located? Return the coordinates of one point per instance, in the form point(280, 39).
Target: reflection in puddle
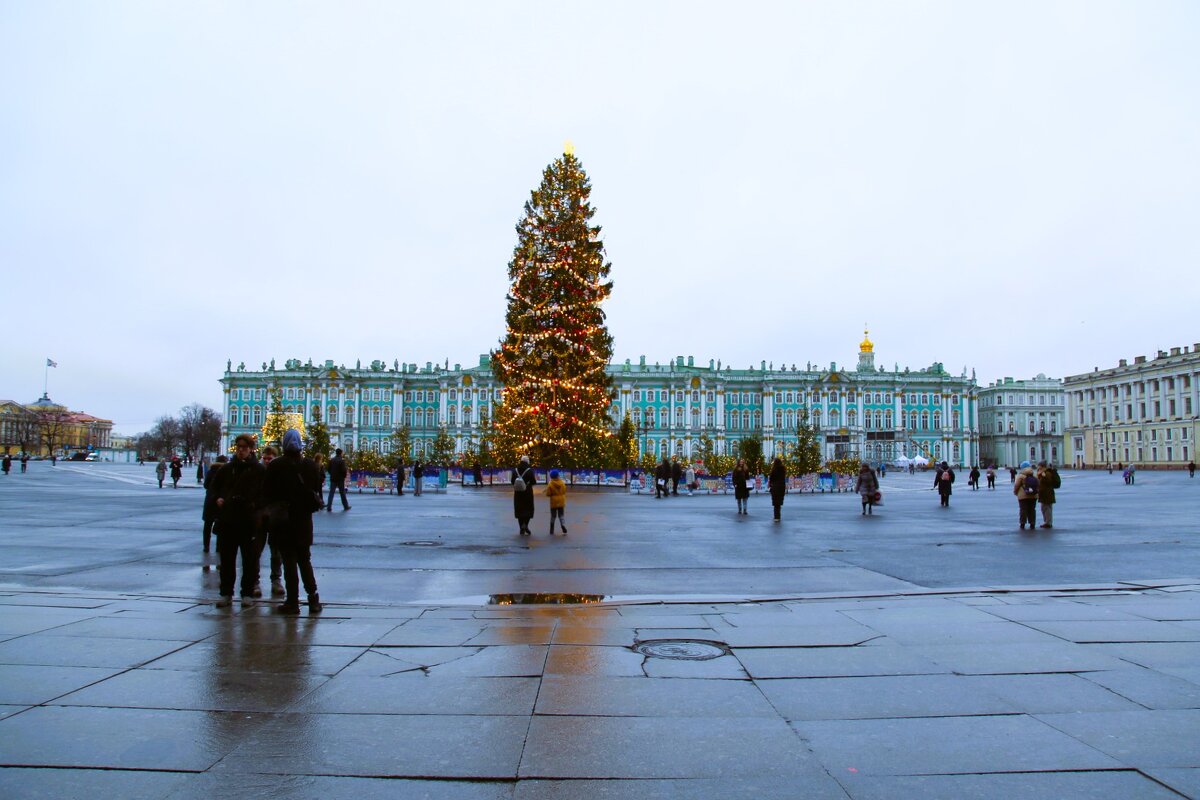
point(544, 599)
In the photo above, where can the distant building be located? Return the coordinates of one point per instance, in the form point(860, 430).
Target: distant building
point(870, 412)
point(1143, 413)
point(1022, 420)
point(25, 426)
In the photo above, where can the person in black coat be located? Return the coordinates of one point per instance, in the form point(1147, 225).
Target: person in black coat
point(777, 481)
point(523, 500)
point(943, 480)
point(294, 482)
point(477, 473)
point(676, 476)
point(176, 472)
point(238, 487)
point(337, 480)
point(662, 474)
point(209, 514)
point(400, 476)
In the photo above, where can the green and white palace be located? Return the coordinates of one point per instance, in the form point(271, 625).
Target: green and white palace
point(871, 412)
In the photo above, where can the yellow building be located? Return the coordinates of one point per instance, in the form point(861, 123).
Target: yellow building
point(44, 426)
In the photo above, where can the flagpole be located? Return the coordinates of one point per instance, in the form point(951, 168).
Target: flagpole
point(46, 379)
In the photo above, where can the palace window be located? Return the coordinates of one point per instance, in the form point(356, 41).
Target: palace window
point(709, 417)
point(746, 420)
point(258, 416)
point(408, 417)
point(453, 394)
point(451, 414)
point(937, 420)
point(663, 418)
point(852, 418)
point(695, 417)
point(695, 395)
point(888, 419)
point(924, 420)
point(678, 415)
point(833, 397)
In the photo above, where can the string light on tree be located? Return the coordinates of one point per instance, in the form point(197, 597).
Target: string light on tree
point(553, 356)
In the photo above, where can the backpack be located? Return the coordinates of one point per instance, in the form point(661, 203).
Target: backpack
point(1031, 484)
point(944, 475)
point(519, 483)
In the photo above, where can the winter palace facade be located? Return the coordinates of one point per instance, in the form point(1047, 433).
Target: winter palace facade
point(868, 411)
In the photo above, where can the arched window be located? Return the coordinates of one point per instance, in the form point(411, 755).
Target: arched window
point(678, 416)
point(664, 418)
point(778, 419)
point(816, 419)
point(452, 414)
point(637, 416)
point(258, 416)
point(912, 421)
point(245, 416)
point(387, 417)
point(453, 394)
point(331, 415)
point(349, 415)
point(924, 420)
point(852, 418)
point(746, 420)
point(937, 420)
point(732, 421)
point(887, 419)
point(955, 418)
point(408, 417)
point(695, 417)
point(833, 397)
point(709, 416)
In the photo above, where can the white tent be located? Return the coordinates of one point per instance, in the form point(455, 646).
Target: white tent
point(920, 461)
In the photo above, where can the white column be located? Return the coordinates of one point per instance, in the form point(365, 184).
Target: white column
point(443, 401)
point(721, 409)
point(228, 422)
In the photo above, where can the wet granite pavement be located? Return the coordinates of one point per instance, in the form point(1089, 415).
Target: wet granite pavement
point(922, 653)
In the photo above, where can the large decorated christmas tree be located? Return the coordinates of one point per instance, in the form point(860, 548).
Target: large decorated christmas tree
point(552, 360)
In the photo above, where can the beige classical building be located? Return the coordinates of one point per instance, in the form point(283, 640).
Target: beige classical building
point(1144, 412)
point(1022, 420)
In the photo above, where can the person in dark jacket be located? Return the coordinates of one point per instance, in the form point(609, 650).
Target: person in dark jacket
point(477, 474)
point(741, 486)
point(1048, 481)
point(200, 472)
point(400, 476)
point(867, 486)
point(209, 514)
point(418, 473)
point(676, 476)
point(662, 474)
point(239, 489)
point(337, 480)
point(1026, 491)
point(777, 482)
point(943, 480)
point(176, 472)
point(294, 482)
point(7, 463)
point(523, 500)
point(973, 479)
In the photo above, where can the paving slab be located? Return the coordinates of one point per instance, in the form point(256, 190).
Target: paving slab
point(1141, 739)
point(123, 738)
point(85, 651)
point(324, 787)
point(1051, 693)
point(1148, 688)
point(950, 745)
point(1104, 785)
point(835, 662)
point(420, 693)
point(881, 697)
point(28, 783)
point(815, 786)
point(210, 690)
point(384, 745)
point(27, 684)
point(612, 696)
point(658, 747)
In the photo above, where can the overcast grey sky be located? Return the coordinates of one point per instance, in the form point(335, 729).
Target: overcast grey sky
point(1012, 187)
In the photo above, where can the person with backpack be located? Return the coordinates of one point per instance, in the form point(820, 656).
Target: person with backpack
point(523, 481)
point(1048, 481)
point(943, 481)
point(1025, 489)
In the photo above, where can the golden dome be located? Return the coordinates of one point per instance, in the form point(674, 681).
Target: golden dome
point(867, 346)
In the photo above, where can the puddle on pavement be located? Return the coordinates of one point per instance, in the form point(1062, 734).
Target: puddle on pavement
point(544, 599)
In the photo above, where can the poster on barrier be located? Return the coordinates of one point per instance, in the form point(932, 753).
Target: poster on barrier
point(612, 477)
point(454, 474)
point(365, 481)
point(710, 484)
point(826, 482)
point(637, 482)
point(806, 483)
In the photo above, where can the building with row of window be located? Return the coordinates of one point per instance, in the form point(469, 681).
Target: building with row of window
point(37, 427)
point(1022, 420)
point(871, 412)
point(1143, 413)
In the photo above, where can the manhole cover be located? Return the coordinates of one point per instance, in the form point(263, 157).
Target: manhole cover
point(421, 543)
point(682, 649)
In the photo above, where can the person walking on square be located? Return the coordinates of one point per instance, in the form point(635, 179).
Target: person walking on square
point(337, 480)
point(176, 472)
point(689, 478)
point(294, 482)
point(477, 474)
point(662, 474)
point(1132, 474)
point(867, 486)
point(556, 490)
point(160, 470)
point(1026, 492)
point(943, 481)
point(418, 470)
point(7, 464)
point(1012, 475)
point(1191, 468)
point(523, 481)
point(239, 490)
point(209, 514)
point(741, 488)
point(676, 475)
point(269, 454)
point(973, 478)
point(777, 483)
point(200, 472)
point(1048, 481)
point(25, 466)
point(400, 476)
point(991, 476)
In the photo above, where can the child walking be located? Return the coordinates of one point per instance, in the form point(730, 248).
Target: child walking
point(556, 490)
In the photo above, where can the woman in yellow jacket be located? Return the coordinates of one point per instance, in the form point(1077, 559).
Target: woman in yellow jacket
point(556, 490)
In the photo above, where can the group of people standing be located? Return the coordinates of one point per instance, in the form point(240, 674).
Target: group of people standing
point(252, 504)
point(7, 462)
point(176, 468)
